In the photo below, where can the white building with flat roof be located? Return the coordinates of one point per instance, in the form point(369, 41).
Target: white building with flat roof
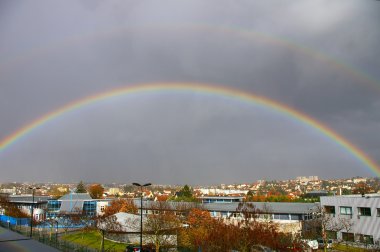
point(363, 212)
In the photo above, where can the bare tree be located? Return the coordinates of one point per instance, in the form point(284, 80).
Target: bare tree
point(108, 224)
point(324, 222)
point(161, 226)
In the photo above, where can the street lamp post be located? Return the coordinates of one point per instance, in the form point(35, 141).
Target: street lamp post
point(56, 231)
point(32, 209)
point(141, 208)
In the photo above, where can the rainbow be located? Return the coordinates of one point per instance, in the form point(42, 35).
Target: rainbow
point(222, 91)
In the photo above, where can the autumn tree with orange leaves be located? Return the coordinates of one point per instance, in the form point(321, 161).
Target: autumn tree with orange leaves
point(96, 191)
point(199, 224)
point(11, 209)
point(212, 234)
point(120, 205)
point(362, 188)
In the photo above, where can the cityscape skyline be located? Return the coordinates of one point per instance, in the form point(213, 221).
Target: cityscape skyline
point(311, 89)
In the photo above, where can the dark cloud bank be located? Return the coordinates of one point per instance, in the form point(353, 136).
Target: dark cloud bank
point(55, 53)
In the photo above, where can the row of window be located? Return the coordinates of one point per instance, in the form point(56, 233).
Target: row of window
point(345, 210)
point(351, 237)
point(367, 239)
point(279, 216)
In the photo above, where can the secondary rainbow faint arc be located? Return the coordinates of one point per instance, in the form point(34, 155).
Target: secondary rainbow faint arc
point(196, 88)
point(240, 32)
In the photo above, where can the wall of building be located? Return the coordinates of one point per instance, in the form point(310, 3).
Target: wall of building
point(100, 206)
point(365, 225)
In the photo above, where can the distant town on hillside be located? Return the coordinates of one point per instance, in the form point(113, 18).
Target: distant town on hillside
point(297, 189)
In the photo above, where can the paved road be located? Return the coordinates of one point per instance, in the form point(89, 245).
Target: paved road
point(14, 242)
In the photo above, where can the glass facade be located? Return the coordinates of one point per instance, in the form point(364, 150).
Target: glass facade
point(54, 206)
point(89, 208)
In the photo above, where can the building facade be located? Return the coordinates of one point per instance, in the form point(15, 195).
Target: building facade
point(72, 203)
point(289, 216)
point(362, 212)
point(25, 203)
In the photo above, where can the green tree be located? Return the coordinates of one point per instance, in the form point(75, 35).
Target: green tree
point(81, 188)
point(186, 191)
point(185, 194)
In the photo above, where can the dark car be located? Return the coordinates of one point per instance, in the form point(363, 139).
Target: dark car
point(132, 248)
point(321, 244)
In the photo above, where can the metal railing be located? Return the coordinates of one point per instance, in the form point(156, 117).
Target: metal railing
point(48, 237)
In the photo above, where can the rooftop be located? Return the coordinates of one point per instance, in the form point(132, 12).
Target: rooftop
point(28, 198)
point(76, 196)
point(270, 207)
point(369, 195)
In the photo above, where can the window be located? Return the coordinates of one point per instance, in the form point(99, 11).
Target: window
point(264, 216)
point(348, 236)
point(332, 234)
point(281, 216)
point(366, 239)
point(330, 209)
point(295, 217)
point(364, 211)
point(378, 212)
point(53, 205)
point(345, 210)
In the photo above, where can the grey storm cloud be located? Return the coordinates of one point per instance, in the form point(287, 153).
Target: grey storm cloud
point(319, 57)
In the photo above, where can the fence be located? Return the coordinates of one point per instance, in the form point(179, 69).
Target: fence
point(48, 236)
point(14, 221)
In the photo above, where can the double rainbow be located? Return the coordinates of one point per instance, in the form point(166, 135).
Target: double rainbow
point(210, 89)
point(361, 77)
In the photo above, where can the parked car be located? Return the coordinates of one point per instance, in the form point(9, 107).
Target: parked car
point(311, 244)
point(132, 248)
point(321, 244)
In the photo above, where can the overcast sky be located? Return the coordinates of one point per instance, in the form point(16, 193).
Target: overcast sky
point(320, 57)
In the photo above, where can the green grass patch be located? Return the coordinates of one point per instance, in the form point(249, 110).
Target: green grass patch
point(93, 240)
point(343, 247)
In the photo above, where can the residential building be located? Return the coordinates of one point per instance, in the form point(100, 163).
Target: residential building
point(113, 191)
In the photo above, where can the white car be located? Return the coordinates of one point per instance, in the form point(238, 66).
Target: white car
point(313, 244)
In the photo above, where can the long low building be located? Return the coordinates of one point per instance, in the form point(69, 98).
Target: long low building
point(25, 203)
point(290, 216)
